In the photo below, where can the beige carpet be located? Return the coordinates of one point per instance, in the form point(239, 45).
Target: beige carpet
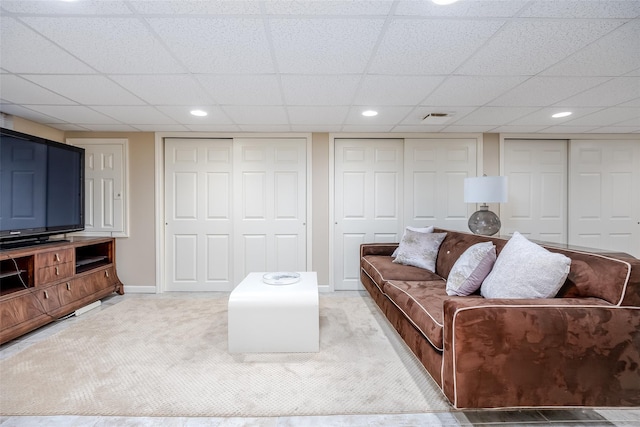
point(158, 356)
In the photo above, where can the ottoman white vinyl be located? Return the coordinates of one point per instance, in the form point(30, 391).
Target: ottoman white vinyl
point(274, 318)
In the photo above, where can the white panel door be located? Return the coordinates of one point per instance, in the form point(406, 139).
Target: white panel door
point(368, 202)
point(105, 186)
point(270, 205)
point(434, 176)
point(537, 183)
point(605, 195)
point(198, 214)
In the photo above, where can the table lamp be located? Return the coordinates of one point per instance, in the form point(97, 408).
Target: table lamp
point(485, 189)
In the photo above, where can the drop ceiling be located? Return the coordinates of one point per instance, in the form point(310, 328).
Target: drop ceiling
point(314, 66)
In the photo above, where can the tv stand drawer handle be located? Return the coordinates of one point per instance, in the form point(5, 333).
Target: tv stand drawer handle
point(57, 257)
point(57, 271)
point(106, 273)
point(68, 286)
point(46, 295)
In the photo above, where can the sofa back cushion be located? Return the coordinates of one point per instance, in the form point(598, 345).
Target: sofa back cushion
point(591, 275)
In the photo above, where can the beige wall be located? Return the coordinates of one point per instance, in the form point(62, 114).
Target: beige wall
point(320, 206)
point(36, 129)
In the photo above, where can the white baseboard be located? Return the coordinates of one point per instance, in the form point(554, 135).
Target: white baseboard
point(139, 289)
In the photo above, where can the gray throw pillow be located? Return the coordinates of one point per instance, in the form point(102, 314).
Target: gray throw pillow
point(419, 249)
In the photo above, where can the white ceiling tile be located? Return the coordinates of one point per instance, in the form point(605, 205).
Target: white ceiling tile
point(544, 91)
point(582, 9)
point(16, 40)
point(542, 117)
point(418, 128)
point(632, 103)
point(471, 90)
point(213, 128)
point(135, 115)
point(568, 129)
point(527, 47)
point(85, 7)
point(334, 8)
point(607, 116)
point(321, 46)
point(162, 128)
point(73, 114)
point(86, 89)
point(616, 91)
point(518, 129)
point(613, 55)
point(256, 115)
point(317, 115)
point(106, 44)
point(265, 128)
point(319, 89)
point(485, 8)
point(242, 89)
point(217, 46)
point(617, 129)
point(70, 127)
point(209, 7)
point(111, 128)
point(468, 128)
point(429, 46)
point(16, 90)
point(165, 89)
point(367, 128)
point(386, 116)
point(182, 114)
point(395, 90)
point(26, 113)
point(494, 116)
point(316, 128)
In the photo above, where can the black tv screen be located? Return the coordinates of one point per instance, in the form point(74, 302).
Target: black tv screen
point(41, 187)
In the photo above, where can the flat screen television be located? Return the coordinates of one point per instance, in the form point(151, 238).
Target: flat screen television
point(41, 188)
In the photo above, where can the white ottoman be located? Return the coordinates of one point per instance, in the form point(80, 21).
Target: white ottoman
point(274, 318)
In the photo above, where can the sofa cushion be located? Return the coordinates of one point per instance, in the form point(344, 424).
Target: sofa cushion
point(419, 249)
point(470, 270)
point(422, 303)
point(416, 229)
point(526, 270)
point(454, 245)
point(381, 268)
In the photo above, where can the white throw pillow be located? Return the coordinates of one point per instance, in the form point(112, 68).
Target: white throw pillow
point(416, 229)
point(471, 268)
point(526, 270)
point(419, 249)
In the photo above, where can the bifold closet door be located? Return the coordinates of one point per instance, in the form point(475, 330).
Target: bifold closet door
point(270, 205)
point(368, 201)
point(604, 202)
point(537, 183)
point(198, 214)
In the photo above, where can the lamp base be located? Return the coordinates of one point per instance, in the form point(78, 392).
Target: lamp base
point(484, 222)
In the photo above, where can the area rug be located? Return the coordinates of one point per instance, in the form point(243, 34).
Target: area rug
point(153, 356)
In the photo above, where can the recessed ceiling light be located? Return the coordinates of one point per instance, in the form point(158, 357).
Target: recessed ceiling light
point(444, 2)
point(563, 114)
point(369, 113)
point(198, 113)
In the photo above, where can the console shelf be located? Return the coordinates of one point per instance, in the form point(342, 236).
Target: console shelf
point(39, 284)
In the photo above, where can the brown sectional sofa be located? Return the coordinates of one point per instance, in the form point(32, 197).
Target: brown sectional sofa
point(581, 348)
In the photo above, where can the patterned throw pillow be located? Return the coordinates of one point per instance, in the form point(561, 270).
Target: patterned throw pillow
point(526, 270)
point(417, 229)
point(471, 268)
point(419, 249)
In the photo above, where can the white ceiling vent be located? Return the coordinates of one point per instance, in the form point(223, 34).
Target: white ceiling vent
point(436, 118)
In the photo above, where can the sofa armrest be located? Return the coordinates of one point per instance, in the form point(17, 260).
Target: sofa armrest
point(377, 249)
point(544, 352)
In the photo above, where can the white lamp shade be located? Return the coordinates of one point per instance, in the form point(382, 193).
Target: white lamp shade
point(485, 189)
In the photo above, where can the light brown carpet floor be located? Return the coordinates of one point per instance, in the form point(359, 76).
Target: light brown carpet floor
point(168, 357)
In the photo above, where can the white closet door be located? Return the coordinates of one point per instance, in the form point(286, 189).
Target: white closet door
point(605, 195)
point(270, 205)
point(198, 214)
point(368, 202)
point(537, 182)
point(434, 176)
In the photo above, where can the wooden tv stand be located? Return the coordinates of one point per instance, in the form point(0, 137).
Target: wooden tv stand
point(39, 284)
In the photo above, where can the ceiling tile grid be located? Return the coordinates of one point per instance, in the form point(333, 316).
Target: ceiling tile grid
point(492, 65)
